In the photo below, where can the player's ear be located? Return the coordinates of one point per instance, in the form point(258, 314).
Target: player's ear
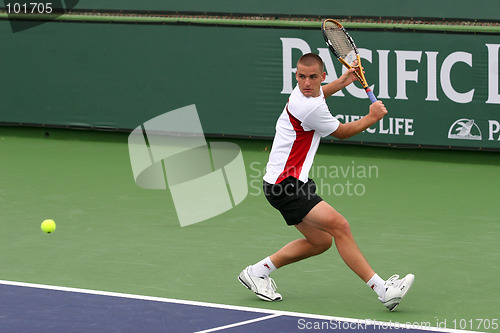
point(323, 76)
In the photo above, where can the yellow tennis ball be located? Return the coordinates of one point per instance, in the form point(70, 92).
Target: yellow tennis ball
point(48, 226)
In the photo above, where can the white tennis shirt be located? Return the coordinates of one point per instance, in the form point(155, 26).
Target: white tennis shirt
point(303, 122)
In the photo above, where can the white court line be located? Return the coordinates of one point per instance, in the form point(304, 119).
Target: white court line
point(379, 324)
point(241, 323)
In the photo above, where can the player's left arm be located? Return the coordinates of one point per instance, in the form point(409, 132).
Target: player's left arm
point(345, 131)
point(343, 81)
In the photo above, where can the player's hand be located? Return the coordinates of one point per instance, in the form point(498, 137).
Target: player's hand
point(349, 77)
point(356, 69)
point(377, 110)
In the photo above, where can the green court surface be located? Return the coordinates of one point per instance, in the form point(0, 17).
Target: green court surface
point(433, 213)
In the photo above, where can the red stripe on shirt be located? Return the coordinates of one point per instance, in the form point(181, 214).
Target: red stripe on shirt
point(298, 153)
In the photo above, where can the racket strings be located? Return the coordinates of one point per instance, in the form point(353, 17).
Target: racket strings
point(340, 43)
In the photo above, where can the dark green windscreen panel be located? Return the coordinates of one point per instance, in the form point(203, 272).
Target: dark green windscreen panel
point(440, 89)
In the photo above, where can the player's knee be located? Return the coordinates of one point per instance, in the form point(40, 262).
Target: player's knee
point(323, 244)
point(340, 226)
point(326, 244)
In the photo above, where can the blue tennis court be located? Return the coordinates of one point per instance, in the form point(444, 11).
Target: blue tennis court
point(40, 308)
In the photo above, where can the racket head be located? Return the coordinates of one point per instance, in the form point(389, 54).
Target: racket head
point(342, 46)
point(339, 41)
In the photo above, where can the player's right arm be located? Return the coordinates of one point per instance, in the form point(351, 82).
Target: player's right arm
point(343, 81)
point(347, 130)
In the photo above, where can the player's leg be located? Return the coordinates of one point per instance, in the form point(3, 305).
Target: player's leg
point(256, 277)
point(325, 218)
point(315, 242)
point(319, 222)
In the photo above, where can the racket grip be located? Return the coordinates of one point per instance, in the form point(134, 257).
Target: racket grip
point(371, 96)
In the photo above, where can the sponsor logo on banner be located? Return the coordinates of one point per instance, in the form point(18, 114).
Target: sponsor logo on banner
point(465, 129)
point(468, 129)
point(387, 125)
point(437, 67)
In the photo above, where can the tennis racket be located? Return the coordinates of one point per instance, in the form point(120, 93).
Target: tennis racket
point(343, 47)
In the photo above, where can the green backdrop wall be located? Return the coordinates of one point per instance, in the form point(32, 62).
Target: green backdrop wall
point(440, 89)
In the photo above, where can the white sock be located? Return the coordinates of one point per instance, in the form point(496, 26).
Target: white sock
point(262, 268)
point(377, 284)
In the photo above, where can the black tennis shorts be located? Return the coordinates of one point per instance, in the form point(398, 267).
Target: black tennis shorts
point(293, 198)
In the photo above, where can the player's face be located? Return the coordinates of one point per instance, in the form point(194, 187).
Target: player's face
point(309, 79)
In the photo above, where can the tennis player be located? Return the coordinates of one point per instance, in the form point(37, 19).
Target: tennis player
point(304, 120)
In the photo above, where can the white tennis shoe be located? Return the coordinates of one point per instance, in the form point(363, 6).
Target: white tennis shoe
point(263, 287)
point(395, 290)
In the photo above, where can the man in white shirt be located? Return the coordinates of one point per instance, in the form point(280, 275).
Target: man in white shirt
point(303, 122)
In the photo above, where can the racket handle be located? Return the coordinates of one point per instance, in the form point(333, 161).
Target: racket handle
point(371, 96)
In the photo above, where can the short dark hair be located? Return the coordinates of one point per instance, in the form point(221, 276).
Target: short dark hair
point(311, 59)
